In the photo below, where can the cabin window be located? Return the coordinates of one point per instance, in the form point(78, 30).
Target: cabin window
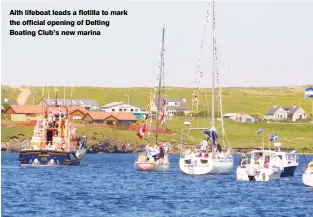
point(204, 161)
point(113, 110)
point(131, 110)
point(267, 158)
point(280, 157)
point(120, 110)
point(136, 110)
point(187, 161)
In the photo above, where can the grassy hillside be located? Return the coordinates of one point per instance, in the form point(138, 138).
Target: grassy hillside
point(236, 99)
point(239, 135)
point(9, 93)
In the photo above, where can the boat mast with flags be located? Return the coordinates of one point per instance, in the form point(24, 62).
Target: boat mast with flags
point(213, 158)
point(154, 158)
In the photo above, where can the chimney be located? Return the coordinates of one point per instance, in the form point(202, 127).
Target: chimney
point(294, 106)
point(275, 106)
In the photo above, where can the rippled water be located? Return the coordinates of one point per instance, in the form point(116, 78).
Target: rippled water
point(108, 185)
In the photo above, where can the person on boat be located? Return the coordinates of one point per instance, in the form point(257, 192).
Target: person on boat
point(243, 160)
point(155, 152)
point(204, 145)
point(219, 148)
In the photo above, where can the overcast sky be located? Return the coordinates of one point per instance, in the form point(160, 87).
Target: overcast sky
point(263, 43)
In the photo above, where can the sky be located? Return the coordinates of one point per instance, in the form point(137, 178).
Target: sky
point(260, 43)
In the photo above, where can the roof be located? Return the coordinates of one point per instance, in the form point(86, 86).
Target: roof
point(2, 108)
point(289, 109)
point(27, 109)
point(9, 101)
point(247, 116)
point(182, 104)
point(77, 102)
point(77, 108)
point(230, 114)
point(272, 111)
point(112, 104)
point(127, 116)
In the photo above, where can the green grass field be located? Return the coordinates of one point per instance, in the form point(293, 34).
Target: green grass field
point(238, 134)
point(241, 100)
point(236, 99)
point(9, 93)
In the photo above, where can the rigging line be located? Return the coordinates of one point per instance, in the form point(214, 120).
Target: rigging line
point(159, 89)
point(196, 91)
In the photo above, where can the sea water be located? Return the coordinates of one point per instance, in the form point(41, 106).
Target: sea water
point(108, 185)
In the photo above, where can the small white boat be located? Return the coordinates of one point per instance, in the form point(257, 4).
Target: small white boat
point(197, 163)
point(307, 176)
point(160, 165)
point(289, 161)
point(264, 166)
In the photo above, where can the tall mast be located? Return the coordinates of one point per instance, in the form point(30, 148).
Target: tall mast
point(159, 89)
point(213, 64)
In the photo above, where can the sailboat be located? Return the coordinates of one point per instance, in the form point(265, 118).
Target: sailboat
point(210, 158)
point(154, 158)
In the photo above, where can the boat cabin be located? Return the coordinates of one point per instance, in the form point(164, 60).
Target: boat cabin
point(262, 157)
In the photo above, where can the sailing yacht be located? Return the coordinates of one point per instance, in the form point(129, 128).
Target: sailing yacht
point(154, 158)
point(210, 158)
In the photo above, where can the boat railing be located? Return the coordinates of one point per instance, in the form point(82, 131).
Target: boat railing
point(25, 145)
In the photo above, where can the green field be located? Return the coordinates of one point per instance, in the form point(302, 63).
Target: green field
point(238, 100)
point(241, 100)
point(238, 134)
point(9, 93)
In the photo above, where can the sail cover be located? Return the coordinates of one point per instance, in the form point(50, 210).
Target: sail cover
point(212, 135)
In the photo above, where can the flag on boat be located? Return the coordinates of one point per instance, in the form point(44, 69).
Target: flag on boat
point(142, 131)
point(274, 137)
point(308, 92)
point(163, 110)
point(259, 131)
point(212, 135)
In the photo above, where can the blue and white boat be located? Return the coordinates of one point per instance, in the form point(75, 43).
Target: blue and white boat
point(290, 161)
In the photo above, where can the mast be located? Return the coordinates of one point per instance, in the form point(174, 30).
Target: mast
point(159, 88)
point(213, 66)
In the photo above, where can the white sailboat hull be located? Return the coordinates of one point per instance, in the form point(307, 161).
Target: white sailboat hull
point(202, 166)
point(150, 166)
point(258, 174)
point(307, 178)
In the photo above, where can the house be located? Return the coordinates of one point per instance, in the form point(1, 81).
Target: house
point(283, 112)
point(77, 113)
point(173, 105)
point(24, 112)
point(241, 118)
point(120, 107)
point(121, 120)
point(86, 103)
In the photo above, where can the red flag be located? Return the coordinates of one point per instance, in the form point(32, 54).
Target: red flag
point(163, 110)
point(142, 131)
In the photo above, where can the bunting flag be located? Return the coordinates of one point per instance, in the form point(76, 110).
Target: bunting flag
point(142, 131)
point(274, 137)
point(259, 131)
point(308, 92)
point(163, 110)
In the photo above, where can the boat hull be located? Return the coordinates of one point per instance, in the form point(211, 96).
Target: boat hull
point(203, 166)
point(307, 179)
point(288, 171)
point(48, 158)
point(244, 174)
point(150, 166)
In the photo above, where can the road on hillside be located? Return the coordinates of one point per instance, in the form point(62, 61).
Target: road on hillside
point(24, 94)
